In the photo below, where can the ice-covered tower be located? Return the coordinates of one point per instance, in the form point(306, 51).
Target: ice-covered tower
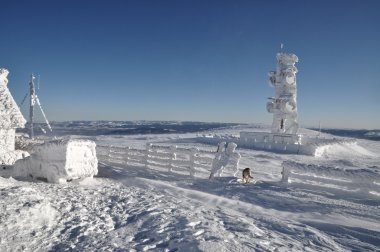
point(284, 104)
point(10, 119)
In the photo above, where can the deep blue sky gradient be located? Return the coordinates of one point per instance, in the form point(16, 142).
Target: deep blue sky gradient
point(194, 60)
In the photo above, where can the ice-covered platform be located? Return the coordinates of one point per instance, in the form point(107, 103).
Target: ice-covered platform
point(288, 143)
point(279, 143)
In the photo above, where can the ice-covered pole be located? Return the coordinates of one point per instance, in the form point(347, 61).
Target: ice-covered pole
point(284, 104)
point(32, 102)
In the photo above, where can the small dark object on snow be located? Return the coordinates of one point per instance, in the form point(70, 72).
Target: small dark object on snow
point(247, 175)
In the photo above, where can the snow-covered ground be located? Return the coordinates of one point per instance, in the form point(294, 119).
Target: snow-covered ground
point(130, 208)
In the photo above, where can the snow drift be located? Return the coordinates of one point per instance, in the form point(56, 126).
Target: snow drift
point(345, 149)
point(345, 179)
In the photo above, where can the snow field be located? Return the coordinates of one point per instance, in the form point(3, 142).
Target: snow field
point(136, 208)
point(346, 150)
point(140, 214)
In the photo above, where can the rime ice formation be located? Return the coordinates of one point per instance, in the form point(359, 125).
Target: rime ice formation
point(10, 119)
point(284, 104)
point(56, 161)
point(33, 101)
point(224, 156)
point(349, 179)
point(284, 137)
point(60, 161)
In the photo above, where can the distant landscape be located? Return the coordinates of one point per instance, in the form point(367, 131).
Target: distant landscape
point(93, 128)
point(361, 133)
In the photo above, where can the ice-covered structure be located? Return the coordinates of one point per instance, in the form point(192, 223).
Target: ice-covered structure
point(283, 137)
point(225, 155)
point(59, 161)
point(284, 104)
point(33, 101)
point(10, 119)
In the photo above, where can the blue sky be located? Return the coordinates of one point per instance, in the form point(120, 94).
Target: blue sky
point(194, 60)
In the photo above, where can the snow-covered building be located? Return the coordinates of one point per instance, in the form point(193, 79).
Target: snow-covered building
point(10, 119)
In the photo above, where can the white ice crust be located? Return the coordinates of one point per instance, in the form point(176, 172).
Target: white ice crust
point(10, 119)
point(284, 104)
point(224, 156)
point(60, 161)
point(10, 114)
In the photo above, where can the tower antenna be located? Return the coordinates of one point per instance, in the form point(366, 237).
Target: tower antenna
point(32, 91)
point(33, 100)
point(284, 104)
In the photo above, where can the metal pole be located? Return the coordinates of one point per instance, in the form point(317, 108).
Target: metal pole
point(32, 102)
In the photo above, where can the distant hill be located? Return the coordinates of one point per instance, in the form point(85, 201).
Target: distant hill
point(362, 133)
point(93, 128)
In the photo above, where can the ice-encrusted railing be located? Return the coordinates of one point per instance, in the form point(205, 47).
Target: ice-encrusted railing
point(173, 158)
point(345, 179)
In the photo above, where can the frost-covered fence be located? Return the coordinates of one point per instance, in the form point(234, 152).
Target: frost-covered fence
point(193, 161)
point(121, 155)
point(350, 180)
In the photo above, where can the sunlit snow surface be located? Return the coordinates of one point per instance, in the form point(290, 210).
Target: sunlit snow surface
point(137, 209)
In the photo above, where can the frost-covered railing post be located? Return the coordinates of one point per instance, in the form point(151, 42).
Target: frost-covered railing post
point(285, 174)
point(235, 162)
point(225, 155)
point(127, 151)
point(147, 151)
point(109, 153)
point(193, 154)
point(173, 156)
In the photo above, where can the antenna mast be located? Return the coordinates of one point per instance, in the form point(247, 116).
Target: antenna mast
point(33, 100)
